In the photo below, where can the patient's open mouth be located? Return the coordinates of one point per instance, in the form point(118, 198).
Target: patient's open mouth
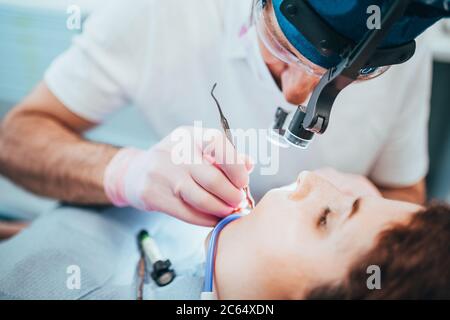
point(250, 200)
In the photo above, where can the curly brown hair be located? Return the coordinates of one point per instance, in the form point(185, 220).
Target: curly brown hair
point(414, 260)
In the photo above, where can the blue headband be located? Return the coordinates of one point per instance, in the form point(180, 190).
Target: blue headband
point(349, 18)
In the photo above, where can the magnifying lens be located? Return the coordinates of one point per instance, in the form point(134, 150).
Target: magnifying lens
point(284, 135)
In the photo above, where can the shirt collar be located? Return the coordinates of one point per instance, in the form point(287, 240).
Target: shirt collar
point(241, 44)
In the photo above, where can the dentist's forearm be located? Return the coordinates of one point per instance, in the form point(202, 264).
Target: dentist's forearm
point(414, 194)
point(42, 155)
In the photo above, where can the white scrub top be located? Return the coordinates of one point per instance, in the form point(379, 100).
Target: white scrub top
point(163, 57)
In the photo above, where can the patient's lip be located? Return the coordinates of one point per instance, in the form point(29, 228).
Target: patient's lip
point(246, 202)
point(235, 210)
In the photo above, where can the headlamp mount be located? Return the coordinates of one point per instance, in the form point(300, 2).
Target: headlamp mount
point(354, 58)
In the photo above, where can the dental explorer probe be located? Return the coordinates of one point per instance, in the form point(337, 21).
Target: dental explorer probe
point(227, 131)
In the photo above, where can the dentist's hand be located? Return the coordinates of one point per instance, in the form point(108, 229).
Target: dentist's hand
point(193, 174)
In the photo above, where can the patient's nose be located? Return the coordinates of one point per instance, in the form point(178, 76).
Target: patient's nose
point(308, 182)
point(305, 184)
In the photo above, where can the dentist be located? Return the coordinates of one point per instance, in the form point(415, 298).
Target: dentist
point(163, 58)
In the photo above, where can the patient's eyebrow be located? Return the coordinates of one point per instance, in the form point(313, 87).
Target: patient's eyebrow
point(355, 208)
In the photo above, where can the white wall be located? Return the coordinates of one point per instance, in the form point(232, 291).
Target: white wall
point(87, 5)
point(32, 34)
point(439, 39)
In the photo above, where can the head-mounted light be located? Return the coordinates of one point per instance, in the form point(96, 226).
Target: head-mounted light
point(355, 61)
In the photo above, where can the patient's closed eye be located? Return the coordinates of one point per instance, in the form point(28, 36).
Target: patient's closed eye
point(324, 217)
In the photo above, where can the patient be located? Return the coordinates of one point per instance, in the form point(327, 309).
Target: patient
point(317, 242)
point(314, 242)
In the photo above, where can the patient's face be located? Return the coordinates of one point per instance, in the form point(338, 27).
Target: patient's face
point(296, 240)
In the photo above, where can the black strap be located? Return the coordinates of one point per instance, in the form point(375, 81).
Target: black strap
point(329, 42)
point(311, 25)
point(347, 71)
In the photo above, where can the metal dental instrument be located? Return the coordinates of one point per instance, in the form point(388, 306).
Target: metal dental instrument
point(227, 131)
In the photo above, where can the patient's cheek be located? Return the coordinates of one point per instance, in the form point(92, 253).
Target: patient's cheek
point(299, 193)
point(292, 187)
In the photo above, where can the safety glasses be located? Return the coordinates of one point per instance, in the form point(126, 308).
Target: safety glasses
point(270, 34)
point(263, 17)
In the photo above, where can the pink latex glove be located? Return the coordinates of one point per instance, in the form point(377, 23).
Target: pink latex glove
point(193, 174)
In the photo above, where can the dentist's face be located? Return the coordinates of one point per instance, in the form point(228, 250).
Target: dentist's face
point(294, 241)
point(295, 81)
